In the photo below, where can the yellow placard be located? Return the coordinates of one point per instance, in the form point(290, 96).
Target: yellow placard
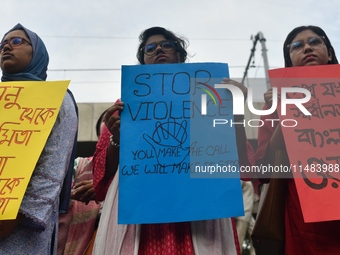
point(28, 111)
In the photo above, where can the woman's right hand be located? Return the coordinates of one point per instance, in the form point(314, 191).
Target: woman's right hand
point(112, 120)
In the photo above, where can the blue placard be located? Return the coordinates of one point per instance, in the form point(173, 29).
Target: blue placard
point(177, 163)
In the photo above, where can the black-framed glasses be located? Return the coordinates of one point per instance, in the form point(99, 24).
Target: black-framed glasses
point(14, 42)
point(166, 45)
point(314, 42)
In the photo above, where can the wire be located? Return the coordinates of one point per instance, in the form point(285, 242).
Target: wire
point(118, 69)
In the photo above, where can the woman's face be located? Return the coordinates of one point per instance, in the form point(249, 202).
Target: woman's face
point(160, 56)
point(15, 59)
point(309, 55)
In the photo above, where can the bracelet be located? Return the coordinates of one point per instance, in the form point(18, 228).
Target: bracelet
point(113, 143)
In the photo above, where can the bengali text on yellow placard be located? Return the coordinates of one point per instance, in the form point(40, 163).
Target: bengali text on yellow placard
point(28, 111)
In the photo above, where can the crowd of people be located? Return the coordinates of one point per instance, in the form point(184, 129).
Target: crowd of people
point(85, 220)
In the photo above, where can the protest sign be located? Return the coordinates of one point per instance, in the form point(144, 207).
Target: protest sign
point(313, 141)
point(173, 160)
point(28, 112)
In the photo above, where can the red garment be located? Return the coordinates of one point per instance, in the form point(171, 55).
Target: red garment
point(301, 238)
point(166, 239)
point(237, 243)
point(101, 184)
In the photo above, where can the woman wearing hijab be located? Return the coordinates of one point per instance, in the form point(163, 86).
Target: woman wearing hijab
point(23, 57)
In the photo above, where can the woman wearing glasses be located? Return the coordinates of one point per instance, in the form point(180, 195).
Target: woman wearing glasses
point(304, 46)
point(157, 46)
point(23, 57)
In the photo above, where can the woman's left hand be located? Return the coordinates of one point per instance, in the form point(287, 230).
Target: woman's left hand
point(237, 84)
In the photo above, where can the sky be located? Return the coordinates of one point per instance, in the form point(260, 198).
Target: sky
point(89, 41)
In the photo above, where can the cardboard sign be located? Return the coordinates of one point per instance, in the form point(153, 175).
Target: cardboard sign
point(173, 160)
point(313, 143)
point(28, 112)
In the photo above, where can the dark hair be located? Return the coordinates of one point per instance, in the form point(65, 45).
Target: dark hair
point(144, 36)
point(99, 122)
point(297, 30)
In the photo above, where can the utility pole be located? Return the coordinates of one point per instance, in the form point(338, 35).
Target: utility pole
point(259, 37)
